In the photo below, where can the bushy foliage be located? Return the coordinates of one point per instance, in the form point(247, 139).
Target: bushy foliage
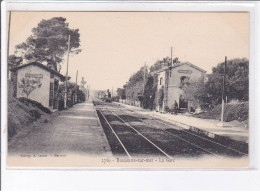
point(237, 81)
point(49, 42)
point(160, 96)
point(81, 96)
point(121, 93)
point(232, 112)
point(135, 85)
point(14, 61)
point(160, 64)
point(149, 93)
point(72, 88)
point(195, 92)
point(210, 92)
point(137, 77)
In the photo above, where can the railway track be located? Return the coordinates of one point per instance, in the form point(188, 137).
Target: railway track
point(133, 135)
point(237, 148)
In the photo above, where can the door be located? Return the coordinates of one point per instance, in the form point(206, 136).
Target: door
point(56, 91)
point(183, 104)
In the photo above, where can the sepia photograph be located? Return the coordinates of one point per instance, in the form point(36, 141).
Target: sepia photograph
point(128, 89)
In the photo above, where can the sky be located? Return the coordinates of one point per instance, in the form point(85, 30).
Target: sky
point(117, 44)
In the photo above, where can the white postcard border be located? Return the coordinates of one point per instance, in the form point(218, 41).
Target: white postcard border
point(68, 178)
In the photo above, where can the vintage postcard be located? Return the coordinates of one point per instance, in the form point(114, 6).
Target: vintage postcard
point(128, 89)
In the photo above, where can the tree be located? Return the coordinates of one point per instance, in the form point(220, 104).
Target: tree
point(81, 96)
point(153, 89)
point(236, 87)
point(72, 88)
point(30, 84)
point(48, 42)
point(160, 63)
point(135, 85)
point(14, 60)
point(195, 92)
point(237, 81)
point(160, 97)
point(149, 93)
point(121, 93)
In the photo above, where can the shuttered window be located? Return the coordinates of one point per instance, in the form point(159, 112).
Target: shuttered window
point(51, 94)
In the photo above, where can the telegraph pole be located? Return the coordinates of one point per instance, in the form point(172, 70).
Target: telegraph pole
point(223, 91)
point(77, 78)
point(76, 96)
point(171, 57)
point(144, 77)
point(9, 26)
point(142, 104)
point(88, 90)
point(65, 96)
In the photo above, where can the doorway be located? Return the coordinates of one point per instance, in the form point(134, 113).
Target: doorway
point(183, 104)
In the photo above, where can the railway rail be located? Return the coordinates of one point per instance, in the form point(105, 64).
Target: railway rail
point(133, 136)
point(204, 138)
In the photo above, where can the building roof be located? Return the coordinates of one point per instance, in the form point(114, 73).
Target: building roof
point(191, 65)
point(41, 66)
point(178, 65)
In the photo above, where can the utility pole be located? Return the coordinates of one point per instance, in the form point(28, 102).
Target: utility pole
point(144, 77)
point(168, 74)
point(77, 78)
point(171, 57)
point(76, 95)
point(223, 91)
point(88, 91)
point(142, 104)
point(9, 26)
point(87, 95)
point(65, 96)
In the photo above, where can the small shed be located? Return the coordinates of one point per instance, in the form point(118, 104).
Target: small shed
point(37, 82)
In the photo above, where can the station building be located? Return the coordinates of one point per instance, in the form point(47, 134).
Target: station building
point(172, 78)
point(42, 80)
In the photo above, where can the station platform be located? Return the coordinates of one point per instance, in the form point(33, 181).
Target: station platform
point(209, 127)
point(73, 131)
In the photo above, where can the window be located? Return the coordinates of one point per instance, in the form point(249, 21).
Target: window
point(161, 80)
point(51, 94)
point(184, 80)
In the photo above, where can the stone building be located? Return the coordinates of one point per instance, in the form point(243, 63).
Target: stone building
point(170, 81)
point(37, 82)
